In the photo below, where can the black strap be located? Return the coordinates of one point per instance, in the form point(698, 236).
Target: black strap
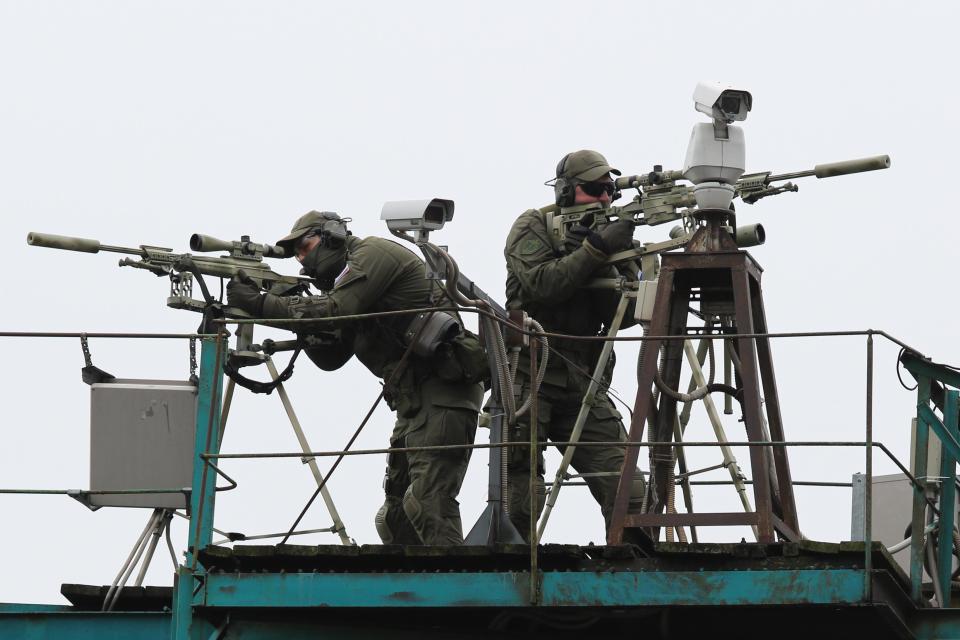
point(255, 385)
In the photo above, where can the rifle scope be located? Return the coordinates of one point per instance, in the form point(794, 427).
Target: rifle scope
point(243, 247)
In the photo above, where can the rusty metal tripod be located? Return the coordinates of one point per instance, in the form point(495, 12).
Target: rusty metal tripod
point(726, 282)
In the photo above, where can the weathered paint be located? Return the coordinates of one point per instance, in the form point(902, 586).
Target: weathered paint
point(918, 521)
point(91, 625)
point(510, 589)
point(203, 492)
point(936, 624)
point(948, 495)
point(17, 607)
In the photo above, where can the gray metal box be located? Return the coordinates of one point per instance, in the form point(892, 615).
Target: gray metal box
point(892, 512)
point(142, 437)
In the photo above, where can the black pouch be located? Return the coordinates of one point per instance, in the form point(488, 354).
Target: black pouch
point(462, 359)
point(403, 395)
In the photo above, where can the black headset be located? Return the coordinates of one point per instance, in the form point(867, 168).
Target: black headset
point(563, 189)
point(333, 233)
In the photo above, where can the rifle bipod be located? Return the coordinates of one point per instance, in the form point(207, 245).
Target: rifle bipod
point(248, 354)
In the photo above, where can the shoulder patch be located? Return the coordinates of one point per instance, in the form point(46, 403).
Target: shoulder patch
point(345, 271)
point(350, 273)
point(530, 245)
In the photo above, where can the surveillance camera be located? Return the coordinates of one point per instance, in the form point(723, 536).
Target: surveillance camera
point(721, 102)
point(418, 216)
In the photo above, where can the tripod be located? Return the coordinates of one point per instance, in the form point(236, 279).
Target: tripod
point(726, 282)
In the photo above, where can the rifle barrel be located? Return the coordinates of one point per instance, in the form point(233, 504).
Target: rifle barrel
point(70, 243)
point(843, 168)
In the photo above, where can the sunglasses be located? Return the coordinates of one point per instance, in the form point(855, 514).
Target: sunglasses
point(597, 189)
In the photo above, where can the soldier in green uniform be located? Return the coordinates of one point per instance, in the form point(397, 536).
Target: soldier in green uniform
point(546, 275)
point(437, 393)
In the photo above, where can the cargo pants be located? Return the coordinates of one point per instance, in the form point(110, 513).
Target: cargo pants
point(557, 410)
point(421, 487)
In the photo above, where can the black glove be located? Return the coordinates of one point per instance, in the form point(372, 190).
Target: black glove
point(576, 234)
point(243, 293)
point(613, 238)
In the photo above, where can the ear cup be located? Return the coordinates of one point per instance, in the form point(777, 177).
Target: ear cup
point(562, 188)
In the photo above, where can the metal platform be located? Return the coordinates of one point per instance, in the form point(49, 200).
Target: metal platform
point(797, 589)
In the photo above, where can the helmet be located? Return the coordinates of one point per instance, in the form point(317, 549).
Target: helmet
point(327, 224)
point(577, 167)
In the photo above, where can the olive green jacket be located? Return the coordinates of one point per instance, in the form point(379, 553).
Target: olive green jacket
point(381, 275)
point(548, 282)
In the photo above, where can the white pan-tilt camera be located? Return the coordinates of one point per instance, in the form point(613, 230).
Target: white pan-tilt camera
point(716, 154)
point(417, 216)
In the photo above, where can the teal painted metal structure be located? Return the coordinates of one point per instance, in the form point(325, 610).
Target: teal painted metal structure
point(82, 625)
point(933, 381)
point(511, 589)
point(270, 604)
point(190, 575)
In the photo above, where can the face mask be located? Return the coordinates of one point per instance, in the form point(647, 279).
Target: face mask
point(323, 264)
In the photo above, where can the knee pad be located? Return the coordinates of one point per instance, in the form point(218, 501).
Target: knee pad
point(412, 507)
point(638, 486)
point(383, 528)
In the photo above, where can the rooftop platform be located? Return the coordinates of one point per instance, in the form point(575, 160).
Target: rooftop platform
point(752, 590)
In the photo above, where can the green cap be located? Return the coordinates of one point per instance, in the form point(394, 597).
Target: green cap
point(584, 165)
point(306, 223)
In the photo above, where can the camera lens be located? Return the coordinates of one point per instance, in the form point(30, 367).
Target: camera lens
point(730, 104)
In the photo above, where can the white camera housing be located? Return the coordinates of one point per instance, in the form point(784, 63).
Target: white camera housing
point(716, 153)
point(722, 102)
point(710, 159)
point(417, 216)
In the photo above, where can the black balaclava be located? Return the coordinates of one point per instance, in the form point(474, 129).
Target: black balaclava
point(324, 264)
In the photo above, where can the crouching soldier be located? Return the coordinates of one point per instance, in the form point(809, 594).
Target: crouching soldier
point(436, 391)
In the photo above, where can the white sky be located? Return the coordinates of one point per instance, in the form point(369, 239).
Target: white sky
point(138, 122)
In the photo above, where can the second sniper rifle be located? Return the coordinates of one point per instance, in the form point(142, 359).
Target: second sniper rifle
point(662, 198)
point(184, 268)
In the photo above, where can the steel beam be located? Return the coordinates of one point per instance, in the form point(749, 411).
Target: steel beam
point(203, 491)
point(85, 625)
point(511, 589)
point(948, 496)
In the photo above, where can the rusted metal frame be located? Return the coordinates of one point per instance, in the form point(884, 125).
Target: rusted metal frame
point(774, 418)
point(751, 402)
point(771, 473)
point(919, 492)
point(662, 457)
point(726, 518)
point(642, 406)
point(785, 530)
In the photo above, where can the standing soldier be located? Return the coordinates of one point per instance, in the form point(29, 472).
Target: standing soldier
point(436, 393)
point(546, 277)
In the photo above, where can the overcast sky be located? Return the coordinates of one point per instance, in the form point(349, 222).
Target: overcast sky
point(144, 122)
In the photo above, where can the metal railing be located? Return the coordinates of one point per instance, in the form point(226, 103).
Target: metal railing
point(207, 452)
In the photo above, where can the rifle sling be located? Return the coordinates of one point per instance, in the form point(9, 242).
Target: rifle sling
point(255, 385)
